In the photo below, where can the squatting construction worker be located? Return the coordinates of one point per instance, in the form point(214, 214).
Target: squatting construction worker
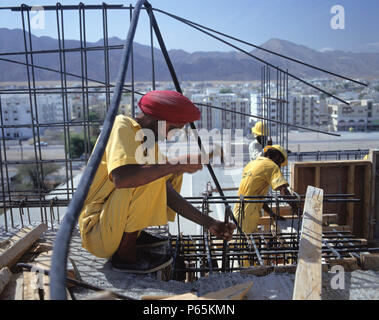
point(256, 146)
point(257, 177)
point(127, 196)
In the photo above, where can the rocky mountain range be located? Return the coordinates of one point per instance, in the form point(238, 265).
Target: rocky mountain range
point(196, 66)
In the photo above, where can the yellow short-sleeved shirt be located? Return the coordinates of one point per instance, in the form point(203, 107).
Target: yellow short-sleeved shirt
point(257, 177)
point(120, 151)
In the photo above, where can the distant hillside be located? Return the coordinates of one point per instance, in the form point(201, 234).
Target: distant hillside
point(196, 66)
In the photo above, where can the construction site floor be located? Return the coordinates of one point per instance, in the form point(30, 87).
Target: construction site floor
point(358, 285)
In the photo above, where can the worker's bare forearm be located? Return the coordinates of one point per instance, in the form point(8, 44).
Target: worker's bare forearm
point(135, 175)
point(132, 176)
point(285, 192)
point(267, 209)
point(180, 205)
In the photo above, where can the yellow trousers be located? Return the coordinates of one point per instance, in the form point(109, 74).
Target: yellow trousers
point(249, 221)
point(103, 225)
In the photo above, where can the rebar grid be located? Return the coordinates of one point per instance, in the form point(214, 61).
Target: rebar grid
point(200, 257)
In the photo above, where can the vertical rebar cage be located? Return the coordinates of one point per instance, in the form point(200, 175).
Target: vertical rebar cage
point(51, 119)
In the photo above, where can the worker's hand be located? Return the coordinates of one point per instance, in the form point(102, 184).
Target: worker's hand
point(279, 217)
point(190, 168)
point(271, 213)
point(294, 207)
point(222, 230)
point(190, 163)
point(275, 216)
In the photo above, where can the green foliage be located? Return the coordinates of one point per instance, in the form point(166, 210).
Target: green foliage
point(226, 90)
point(31, 177)
point(77, 146)
point(93, 115)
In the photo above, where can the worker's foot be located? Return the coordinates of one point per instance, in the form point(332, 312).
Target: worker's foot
point(146, 239)
point(146, 262)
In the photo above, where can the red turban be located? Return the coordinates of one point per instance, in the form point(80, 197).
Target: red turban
point(171, 106)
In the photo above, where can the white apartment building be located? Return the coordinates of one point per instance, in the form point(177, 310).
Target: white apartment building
point(17, 115)
point(360, 115)
point(212, 118)
point(303, 110)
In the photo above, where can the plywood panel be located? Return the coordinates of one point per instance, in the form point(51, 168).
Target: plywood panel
point(308, 272)
point(339, 177)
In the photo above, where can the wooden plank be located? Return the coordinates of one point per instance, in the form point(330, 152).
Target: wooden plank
point(265, 270)
point(308, 273)
point(374, 212)
point(19, 288)
point(156, 297)
point(237, 292)
point(14, 289)
point(102, 295)
point(30, 286)
point(283, 211)
point(374, 217)
point(265, 221)
point(184, 296)
point(317, 177)
point(367, 203)
point(35, 284)
point(348, 264)
point(350, 190)
point(328, 219)
point(46, 288)
point(345, 176)
point(5, 278)
point(20, 243)
point(370, 261)
point(294, 175)
point(43, 261)
point(328, 163)
point(335, 227)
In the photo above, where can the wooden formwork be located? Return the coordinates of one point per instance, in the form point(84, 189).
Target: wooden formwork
point(374, 220)
point(340, 177)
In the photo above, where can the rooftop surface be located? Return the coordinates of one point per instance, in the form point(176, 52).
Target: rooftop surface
point(358, 285)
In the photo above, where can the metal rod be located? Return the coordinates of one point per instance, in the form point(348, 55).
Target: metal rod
point(261, 48)
point(267, 119)
point(62, 240)
point(205, 237)
point(261, 60)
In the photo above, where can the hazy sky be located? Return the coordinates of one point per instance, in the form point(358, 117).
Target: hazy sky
point(306, 22)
